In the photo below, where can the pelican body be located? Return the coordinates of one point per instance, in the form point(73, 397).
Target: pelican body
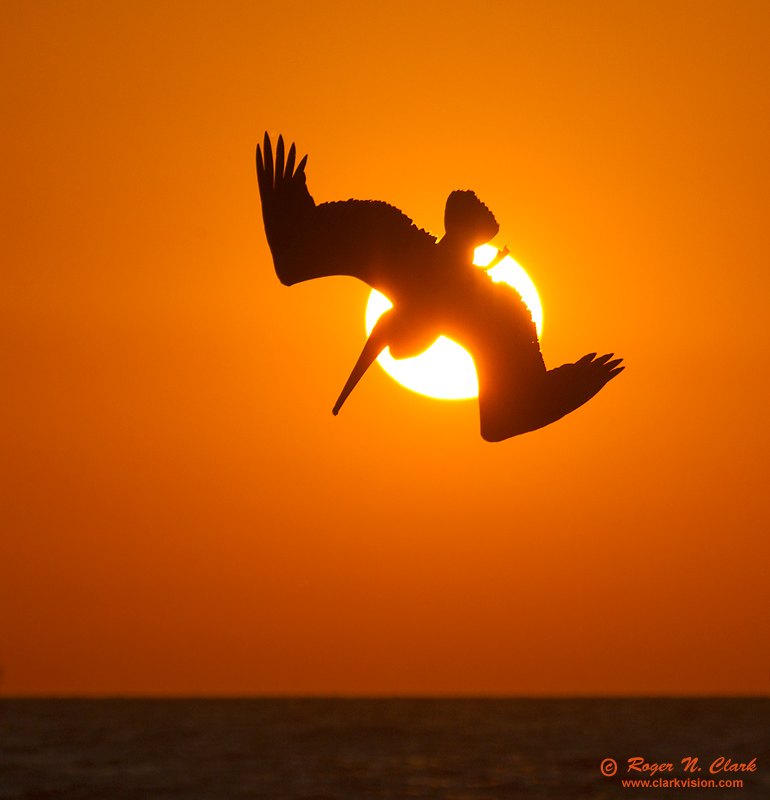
point(435, 290)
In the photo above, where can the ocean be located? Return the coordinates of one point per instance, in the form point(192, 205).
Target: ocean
point(335, 749)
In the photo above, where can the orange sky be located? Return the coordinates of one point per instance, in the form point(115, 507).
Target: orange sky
point(182, 514)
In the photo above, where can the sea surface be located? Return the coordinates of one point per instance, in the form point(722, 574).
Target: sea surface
point(330, 749)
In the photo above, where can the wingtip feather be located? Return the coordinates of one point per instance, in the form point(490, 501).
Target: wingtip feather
point(279, 159)
point(268, 159)
point(290, 160)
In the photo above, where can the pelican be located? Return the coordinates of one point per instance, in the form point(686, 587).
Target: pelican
point(435, 290)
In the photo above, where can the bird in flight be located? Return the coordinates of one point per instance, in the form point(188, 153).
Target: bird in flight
point(435, 290)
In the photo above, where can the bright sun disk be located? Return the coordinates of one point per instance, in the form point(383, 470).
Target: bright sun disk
point(445, 370)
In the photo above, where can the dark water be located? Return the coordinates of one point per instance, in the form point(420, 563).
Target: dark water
point(329, 749)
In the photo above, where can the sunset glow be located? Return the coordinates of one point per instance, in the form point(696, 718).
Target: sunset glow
point(182, 514)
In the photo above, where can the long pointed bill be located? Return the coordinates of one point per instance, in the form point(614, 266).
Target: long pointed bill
point(375, 344)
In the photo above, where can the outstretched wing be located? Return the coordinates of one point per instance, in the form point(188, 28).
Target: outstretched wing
point(367, 239)
point(516, 392)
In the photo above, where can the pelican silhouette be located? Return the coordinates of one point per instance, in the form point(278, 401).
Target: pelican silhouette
point(435, 290)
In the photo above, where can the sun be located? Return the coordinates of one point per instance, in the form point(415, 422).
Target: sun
point(445, 370)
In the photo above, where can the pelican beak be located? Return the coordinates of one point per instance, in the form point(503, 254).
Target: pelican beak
point(375, 344)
